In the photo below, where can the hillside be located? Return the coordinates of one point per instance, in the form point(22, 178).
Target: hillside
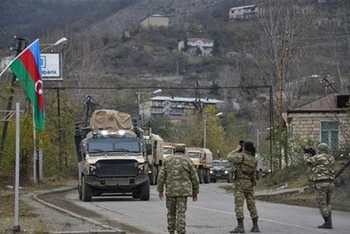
point(250, 53)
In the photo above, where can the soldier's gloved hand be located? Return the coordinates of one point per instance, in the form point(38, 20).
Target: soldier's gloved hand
point(161, 195)
point(194, 197)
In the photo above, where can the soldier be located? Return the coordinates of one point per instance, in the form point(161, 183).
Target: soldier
point(180, 178)
point(243, 183)
point(321, 173)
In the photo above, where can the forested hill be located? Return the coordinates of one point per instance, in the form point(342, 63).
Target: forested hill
point(37, 18)
point(33, 18)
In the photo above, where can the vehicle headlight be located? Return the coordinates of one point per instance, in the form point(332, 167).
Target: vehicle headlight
point(211, 172)
point(226, 172)
point(141, 168)
point(92, 169)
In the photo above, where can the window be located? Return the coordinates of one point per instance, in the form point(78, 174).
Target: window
point(330, 134)
point(291, 131)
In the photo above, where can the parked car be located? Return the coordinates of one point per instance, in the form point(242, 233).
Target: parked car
point(222, 169)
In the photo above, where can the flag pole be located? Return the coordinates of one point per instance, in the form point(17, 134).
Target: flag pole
point(7, 67)
point(16, 226)
point(34, 151)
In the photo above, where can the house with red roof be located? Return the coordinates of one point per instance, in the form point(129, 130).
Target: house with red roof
point(326, 119)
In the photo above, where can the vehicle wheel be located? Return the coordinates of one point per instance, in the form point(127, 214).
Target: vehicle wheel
point(200, 176)
point(153, 176)
point(86, 190)
point(96, 194)
point(157, 173)
point(214, 180)
point(206, 176)
point(136, 194)
point(79, 191)
point(144, 191)
point(229, 178)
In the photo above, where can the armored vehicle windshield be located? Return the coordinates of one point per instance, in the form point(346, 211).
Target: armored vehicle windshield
point(115, 144)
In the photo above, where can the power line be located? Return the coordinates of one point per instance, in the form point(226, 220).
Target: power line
point(160, 87)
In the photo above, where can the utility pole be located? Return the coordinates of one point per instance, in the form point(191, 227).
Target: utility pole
point(177, 67)
point(281, 90)
point(18, 50)
point(281, 79)
point(329, 84)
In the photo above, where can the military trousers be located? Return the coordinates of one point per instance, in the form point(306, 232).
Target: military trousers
point(243, 191)
point(323, 194)
point(176, 215)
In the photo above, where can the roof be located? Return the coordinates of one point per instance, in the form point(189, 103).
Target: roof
point(185, 99)
point(242, 7)
point(156, 137)
point(194, 39)
point(153, 15)
point(326, 103)
point(198, 149)
point(158, 15)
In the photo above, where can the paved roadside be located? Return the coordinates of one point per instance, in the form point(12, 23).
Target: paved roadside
point(59, 220)
point(279, 191)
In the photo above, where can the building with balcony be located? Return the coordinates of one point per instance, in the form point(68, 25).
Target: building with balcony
point(243, 12)
point(174, 108)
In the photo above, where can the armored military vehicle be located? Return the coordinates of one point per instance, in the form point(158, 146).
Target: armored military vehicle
point(112, 156)
point(222, 169)
point(202, 158)
point(156, 158)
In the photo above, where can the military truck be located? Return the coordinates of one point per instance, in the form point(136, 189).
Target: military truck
point(112, 156)
point(202, 158)
point(168, 149)
point(156, 158)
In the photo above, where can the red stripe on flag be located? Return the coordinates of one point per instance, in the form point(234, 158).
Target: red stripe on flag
point(28, 61)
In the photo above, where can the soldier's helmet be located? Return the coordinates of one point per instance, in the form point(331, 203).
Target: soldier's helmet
point(323, 147)
point(180, 148)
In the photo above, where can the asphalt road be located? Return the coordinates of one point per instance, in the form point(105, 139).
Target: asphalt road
point(212, 213)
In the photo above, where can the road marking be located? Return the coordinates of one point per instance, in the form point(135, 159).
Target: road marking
point(268, 220)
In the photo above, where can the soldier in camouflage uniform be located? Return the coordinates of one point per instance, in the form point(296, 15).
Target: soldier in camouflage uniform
point(321, 173)
point(243, 184)
point(180, 178)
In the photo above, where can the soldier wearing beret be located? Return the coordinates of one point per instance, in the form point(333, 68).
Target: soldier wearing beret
point(321, 174)
point(180, 179)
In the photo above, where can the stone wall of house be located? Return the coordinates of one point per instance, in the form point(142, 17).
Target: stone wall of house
point(307, 126)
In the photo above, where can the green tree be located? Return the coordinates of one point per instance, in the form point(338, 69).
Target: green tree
point(216, 48)
point(186, 47)
point(215, 88)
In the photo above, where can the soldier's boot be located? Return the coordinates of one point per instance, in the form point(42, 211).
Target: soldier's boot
point(239, 228)
point(327, 223)
point(255, 227)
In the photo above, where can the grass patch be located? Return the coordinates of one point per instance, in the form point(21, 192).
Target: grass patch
point(7, 204)
point(28, 221)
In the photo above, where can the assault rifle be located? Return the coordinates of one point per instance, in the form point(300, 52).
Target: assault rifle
point(342, 169)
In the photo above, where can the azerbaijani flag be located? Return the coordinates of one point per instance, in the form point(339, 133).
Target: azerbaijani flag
point(27, 68)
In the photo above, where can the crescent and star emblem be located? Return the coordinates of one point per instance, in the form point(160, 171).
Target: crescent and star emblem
point(39, 87)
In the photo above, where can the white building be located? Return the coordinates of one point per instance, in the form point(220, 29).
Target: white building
point(155, 20)
point(197, 46)
point(243, 12)
point(174, 108)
